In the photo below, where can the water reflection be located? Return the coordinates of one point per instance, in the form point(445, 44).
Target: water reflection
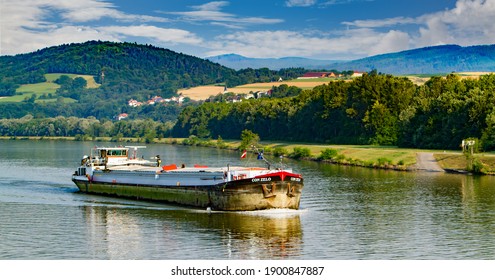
point(380, 214)
point(121, 233)
point(259, 236)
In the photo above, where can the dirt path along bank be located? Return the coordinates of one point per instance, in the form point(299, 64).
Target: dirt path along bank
point(426, 162)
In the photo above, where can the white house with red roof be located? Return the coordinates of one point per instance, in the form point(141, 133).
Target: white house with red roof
point(122, 116)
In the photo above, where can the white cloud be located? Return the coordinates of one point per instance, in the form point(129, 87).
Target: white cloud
point(211, 6)
point(352, 44)
point(309, 3)
point(33, 24)
point(25, 41)
point(349, 44)
point(211, 12)
point(380, 22)
point(161, 35)
point(340, 2)
point(300, 3)
point(26, 25)
point(471, 22)
point(392, 41)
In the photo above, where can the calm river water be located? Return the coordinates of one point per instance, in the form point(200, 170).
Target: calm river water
point(346, 213)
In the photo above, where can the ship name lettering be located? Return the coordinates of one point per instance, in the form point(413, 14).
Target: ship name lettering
point(254, 180)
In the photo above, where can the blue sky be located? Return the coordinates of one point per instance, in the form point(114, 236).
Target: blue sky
point(322, 29)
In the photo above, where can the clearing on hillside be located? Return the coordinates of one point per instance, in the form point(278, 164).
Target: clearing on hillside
point(91, 83)
point(45, 88)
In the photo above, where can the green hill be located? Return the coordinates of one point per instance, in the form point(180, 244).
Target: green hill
point(127, 67)
point(123, 71)
point(114, 73)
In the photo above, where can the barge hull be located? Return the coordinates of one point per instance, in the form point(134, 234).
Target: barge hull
point(240, 195)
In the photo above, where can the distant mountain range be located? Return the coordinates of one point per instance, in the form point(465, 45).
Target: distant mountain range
point(429, 60)
point(238, 62)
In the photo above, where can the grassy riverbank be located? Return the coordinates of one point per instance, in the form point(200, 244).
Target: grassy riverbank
point(385, 157)
point(371, 156)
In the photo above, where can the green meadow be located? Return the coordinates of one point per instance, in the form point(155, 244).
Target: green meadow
point(46, 88)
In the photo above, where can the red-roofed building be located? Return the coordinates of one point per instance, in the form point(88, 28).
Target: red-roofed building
point(315, 75)
point(357, 74)
point(122, 116)
point(134, 103)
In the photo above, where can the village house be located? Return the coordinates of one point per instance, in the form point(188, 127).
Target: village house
point(260, 94)
point(178, 99)
point(134, 103)
point(155, 100)
point(249, 96)
point(316, 75)
point(122, 116)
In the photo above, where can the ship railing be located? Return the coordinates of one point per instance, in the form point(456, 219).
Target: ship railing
point(94, 161)
point(247, 173)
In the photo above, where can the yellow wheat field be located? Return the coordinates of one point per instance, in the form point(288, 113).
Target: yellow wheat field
point(203, 92)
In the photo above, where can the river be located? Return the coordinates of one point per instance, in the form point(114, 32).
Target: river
point(347, 213)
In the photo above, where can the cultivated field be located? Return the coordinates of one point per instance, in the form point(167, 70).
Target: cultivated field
point(203, 92)
point(421, 79)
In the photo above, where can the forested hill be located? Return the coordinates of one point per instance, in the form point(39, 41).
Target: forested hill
point(130, 67)
point(122, 71)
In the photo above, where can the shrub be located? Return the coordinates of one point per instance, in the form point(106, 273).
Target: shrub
point(117, 138)
point(478, 166)
point(300, 153)
point(279, 151)
point(248, 139)
point(220, 143)
point(82, 137)
point(193, 140)
point(328, 154)
point(368, 163)
point(384, 161)
point(340, 157)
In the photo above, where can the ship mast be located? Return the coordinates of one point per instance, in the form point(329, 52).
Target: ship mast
point(261, 157)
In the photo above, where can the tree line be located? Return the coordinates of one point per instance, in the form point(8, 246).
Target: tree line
point(84, 128)
point(372, 109)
